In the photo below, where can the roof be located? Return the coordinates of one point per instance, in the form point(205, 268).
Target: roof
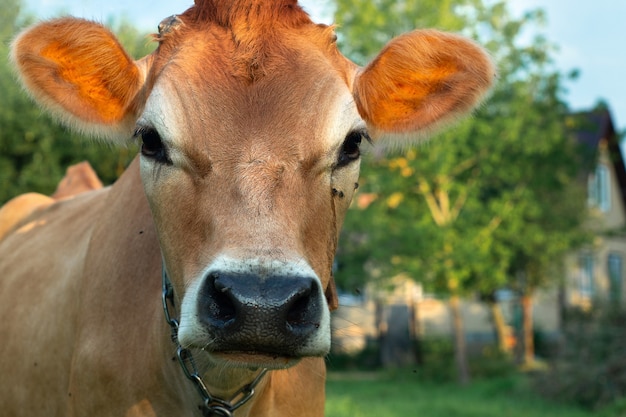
point(589, 129)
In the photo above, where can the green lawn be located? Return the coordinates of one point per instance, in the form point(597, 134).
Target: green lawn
point(384, 395)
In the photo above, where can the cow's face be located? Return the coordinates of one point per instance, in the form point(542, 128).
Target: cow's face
point(249, 177)
point(251, 124)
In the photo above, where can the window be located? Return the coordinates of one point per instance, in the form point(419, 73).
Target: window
point(586, 275)
point(599, 188)
point(615, 278)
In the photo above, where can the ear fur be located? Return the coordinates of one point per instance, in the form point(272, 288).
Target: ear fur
point(78, 71)
point(420, 81)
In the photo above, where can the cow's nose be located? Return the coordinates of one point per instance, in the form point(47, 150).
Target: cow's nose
point(272, 314)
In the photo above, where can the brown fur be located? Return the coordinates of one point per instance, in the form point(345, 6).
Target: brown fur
point(18, 208)
point(78, 179)
point(253, 102)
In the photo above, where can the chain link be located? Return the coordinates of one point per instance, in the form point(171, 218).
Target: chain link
point(212, 406)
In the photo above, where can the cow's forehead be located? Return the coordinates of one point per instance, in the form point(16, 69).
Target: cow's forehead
point(202, 96)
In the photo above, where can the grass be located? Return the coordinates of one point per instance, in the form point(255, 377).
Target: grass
point(403, 395)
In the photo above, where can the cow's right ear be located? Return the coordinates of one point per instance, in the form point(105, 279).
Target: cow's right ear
point(419, 82)
point(78, 71)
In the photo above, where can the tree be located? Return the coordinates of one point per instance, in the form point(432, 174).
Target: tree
point(365, 26)
point(34, 150)
point(457, 216)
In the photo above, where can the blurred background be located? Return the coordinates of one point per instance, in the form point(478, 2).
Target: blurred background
point(480, 274)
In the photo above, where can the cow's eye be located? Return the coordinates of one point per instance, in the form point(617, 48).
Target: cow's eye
point(152, 146)
point(351, 148)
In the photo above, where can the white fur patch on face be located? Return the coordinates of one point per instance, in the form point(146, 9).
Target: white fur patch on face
point(343, 118)
point(159, 107)
point(193, 334)
point(163, 113)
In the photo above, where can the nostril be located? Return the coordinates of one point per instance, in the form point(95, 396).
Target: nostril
point(300, 312)
point(223, 309)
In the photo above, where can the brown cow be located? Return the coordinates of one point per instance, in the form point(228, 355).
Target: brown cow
point(250, 122)
point(78, 179)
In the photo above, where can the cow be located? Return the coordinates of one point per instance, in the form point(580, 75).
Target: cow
point(78, 178)
point(200, 283)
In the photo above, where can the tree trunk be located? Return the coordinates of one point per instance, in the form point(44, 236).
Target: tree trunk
point(528, 357)
point(460, 350)
point(417, 335)
point(500, 326)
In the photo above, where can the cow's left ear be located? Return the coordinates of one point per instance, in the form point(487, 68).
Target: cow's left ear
point(421, 81)
point(78, 71)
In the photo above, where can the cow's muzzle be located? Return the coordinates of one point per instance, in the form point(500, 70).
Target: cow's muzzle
point(274, 315)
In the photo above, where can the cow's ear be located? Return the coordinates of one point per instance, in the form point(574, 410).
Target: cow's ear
point(421, 81)
point(78, 71)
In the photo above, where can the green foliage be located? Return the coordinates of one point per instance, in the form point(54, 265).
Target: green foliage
point(34, 150)
point(492, 363)
point(496, 194)
point(403, 394)
point(435, 364)
point(367, 359)
point(494, 202)
point(366, 25)
point(591, 368)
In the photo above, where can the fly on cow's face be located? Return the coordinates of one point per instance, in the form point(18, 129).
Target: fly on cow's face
point(338, 193)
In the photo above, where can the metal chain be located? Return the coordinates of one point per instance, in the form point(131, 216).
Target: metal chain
point(211, 406)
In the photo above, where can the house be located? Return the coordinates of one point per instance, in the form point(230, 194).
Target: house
point(596, 273)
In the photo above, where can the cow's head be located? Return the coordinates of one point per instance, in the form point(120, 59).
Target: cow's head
point(251, 124)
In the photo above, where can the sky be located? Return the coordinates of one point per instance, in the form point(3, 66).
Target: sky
point(591, 36)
